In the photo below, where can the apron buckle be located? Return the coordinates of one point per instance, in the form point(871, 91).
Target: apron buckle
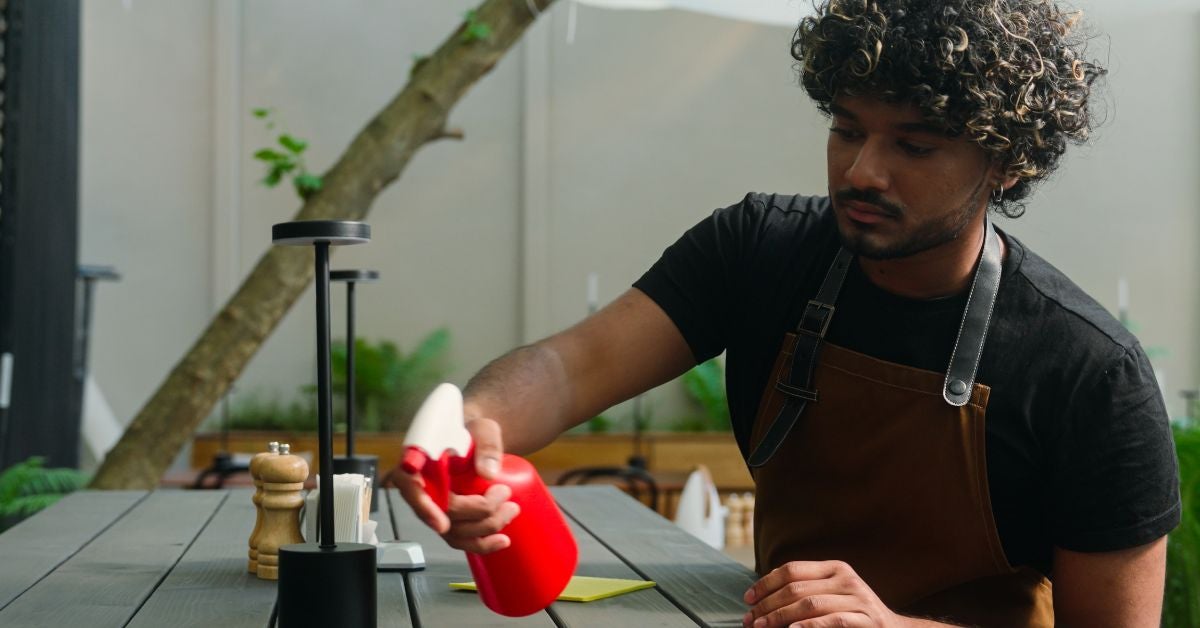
point(816, 318)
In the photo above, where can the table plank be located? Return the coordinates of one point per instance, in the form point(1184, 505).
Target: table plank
point(107, 581)
point(429, 592)
point(391, 601)
point(210, 585)
point(702, 581)
point(647, 607)
point(36, 546)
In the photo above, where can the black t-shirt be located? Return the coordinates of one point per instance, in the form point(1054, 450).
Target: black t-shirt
point(1079, 448)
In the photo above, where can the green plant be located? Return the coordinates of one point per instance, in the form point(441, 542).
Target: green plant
point(705, 384)
point(286, 162)
point(389, 386)
point(1181, 606)
point(599, 424)
point(252, 412)
point(27, 487)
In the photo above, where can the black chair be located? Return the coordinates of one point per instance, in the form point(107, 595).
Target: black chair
point(224, 465)
point(634, 480)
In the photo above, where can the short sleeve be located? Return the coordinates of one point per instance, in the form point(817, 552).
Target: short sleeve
point(1116, 479)
point(694, 281)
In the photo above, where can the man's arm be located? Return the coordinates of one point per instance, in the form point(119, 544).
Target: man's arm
point(1119, 589)
point(1122, 588)
point(525, 399)
point(539, 391)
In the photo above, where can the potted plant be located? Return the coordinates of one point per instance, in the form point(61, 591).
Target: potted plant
point(28, 487)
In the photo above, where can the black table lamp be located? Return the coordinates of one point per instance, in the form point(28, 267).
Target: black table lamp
point(326, 583)
point(364, 464)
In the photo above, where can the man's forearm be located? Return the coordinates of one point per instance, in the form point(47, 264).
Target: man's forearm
point(527, 392)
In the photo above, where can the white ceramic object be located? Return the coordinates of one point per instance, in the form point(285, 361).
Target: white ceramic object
point(700, 512)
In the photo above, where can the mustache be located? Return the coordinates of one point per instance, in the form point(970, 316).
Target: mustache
point(870, 197)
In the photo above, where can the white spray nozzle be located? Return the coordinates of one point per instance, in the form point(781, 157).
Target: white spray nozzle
point(439, 425)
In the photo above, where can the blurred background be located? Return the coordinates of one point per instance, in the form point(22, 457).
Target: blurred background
point(593, 145)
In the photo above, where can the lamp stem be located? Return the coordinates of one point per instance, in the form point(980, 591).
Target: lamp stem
point(324, 400)
point(350, 369)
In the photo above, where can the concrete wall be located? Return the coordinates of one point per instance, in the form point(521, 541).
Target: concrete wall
point(580, 157)
point(145, 187)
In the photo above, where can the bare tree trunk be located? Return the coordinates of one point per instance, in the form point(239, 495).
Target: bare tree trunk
point(374, 159)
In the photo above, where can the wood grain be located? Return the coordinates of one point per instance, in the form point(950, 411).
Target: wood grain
point(106, 582)
point(698, 579)
point(210, 585)
point(391, 596)
point(36, 546)
point(646, 608)
point(435, 603)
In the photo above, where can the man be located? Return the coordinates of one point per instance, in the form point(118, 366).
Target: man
point(939, 423)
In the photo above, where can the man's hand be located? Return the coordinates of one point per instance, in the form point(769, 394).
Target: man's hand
point(473, 522)
point(816, 595)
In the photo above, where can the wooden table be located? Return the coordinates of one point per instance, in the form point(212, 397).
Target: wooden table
point(178, 558)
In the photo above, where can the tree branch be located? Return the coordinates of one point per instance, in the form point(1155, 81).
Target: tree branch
point(376, 157)
point(449, 134)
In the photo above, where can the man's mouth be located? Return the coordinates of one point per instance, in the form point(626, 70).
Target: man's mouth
point(865, 213)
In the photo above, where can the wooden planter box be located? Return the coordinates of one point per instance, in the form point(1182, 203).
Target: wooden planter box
point(669, 455)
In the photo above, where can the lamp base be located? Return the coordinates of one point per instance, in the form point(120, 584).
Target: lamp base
point(362, 465)
point(327, 587)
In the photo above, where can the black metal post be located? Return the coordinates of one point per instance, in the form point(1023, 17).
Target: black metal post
point(326, 583)
point(367, 465)
point(81, 331)
point(350, 369)
point(324, 400)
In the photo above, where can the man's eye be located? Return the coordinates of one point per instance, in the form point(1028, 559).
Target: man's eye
point(843, 133)
point(914, 150)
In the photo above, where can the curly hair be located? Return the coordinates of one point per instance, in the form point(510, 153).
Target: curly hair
point(1007, 74)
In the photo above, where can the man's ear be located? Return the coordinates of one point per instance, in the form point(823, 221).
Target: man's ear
point(999, 179)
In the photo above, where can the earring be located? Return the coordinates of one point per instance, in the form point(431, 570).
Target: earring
point(998, 194)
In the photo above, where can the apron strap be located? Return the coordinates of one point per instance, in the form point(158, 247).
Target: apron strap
point(809, 334)
point(968, 347)
point(964, 360)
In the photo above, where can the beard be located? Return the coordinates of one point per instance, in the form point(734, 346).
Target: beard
point(927, 235)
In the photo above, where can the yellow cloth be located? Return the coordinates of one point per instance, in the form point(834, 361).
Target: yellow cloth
point(584, 588)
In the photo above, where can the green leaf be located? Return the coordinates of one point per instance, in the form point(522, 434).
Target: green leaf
point(307, 185)
point(389, 385)
point(28, 486)
point(273, 177)
point(293, 144)
point(706, 385)
point(474, 30)
point(599, 424)
point(479, 32)
point(270, 155)
point(261, 112)
point(1181, 604)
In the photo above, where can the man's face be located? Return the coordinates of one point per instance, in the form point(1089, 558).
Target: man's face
point(899, 185)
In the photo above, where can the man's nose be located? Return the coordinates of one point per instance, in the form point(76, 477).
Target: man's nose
point(869, 170)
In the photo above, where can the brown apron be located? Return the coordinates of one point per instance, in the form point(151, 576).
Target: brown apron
point(881, 472)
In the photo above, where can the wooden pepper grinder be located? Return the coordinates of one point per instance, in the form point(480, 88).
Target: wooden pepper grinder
point(748, 518)
point(283, 481)
point(735, 533)
point(256, 473)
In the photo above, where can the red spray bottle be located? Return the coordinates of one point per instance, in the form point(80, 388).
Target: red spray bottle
point(533, 570)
